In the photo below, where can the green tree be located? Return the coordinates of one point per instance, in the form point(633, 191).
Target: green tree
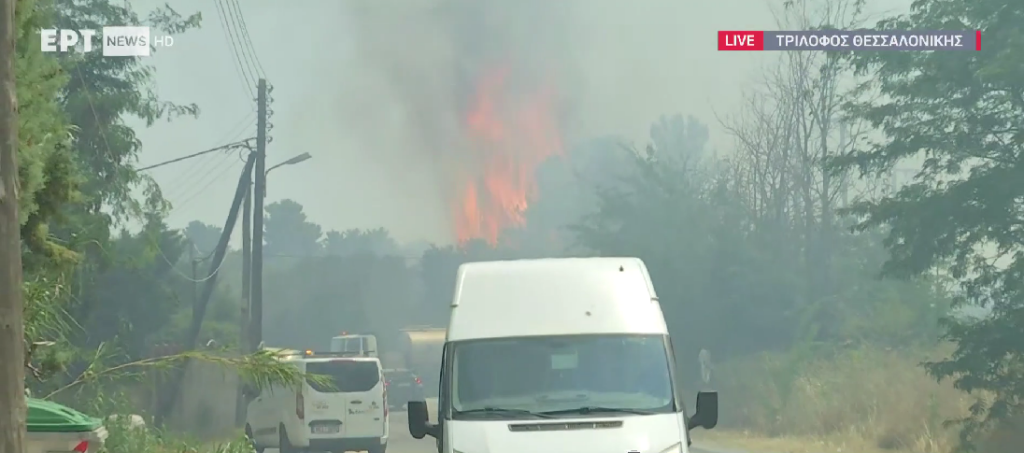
point(438, 269)
point(353, 242)
point(729, 279)
point(566, 187)
point(203, 236)
point(319, 297)
point(287, 232)
point(135, 297)
point(686, 137)
point(101, 92)
point(961, 112)
point(79, 169)
point(47, 175)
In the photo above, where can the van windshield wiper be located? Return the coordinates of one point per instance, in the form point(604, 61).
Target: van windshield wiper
point(504, 411)
point(598, 409)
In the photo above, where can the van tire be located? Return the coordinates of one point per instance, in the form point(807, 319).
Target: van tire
point(283, 444)
point(252, 439)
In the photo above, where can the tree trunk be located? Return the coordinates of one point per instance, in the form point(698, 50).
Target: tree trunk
point(12, 331)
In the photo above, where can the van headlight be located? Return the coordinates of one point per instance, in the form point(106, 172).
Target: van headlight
point(677, 448)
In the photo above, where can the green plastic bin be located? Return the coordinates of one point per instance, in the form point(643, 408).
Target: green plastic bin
point(55, 428)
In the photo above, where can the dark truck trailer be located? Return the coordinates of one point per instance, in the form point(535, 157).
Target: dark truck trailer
point(421, 349)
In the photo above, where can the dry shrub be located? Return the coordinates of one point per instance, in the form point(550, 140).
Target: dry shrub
point(862, 397)
point(1008, 437)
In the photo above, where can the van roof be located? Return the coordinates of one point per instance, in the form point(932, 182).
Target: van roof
point(315, 359)
point(562, 296)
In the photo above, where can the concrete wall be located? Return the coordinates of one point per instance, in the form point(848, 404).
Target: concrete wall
point(206, 406)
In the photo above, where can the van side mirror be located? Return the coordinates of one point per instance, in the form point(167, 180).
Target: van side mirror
point(706, 415)
point(250, 392)
point(419, 421)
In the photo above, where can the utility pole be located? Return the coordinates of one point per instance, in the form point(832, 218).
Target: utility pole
point(259, 193)
point(844, 138)
point(244, 318)
point(12, 329)
point(192, 258)
point(209, 284)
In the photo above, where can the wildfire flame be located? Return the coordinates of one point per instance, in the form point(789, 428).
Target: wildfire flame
point(512, 132)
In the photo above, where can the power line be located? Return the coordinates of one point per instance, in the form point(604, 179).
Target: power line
point(183, 178)
point(248, 120)
point(247, 80)
point(106, 144)
point(248, 40)
point(187, 177)
point(229, 146)
point(220, 170)
point(239, 38)
point(174, 267)
point(199, 177)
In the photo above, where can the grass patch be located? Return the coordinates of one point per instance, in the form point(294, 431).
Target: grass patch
point(858, 399)
point(747, 441)
point(123, 438)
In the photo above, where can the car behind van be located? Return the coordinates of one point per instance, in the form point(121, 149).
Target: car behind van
point(403, 386)
point(566, 355)
point(348, 412)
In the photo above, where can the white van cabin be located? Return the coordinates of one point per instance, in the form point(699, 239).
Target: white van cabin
point(359, 344)
point(349, 412)
point(566, 355)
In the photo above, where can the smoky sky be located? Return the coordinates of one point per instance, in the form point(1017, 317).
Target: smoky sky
point(420, 66)
point(375, 90)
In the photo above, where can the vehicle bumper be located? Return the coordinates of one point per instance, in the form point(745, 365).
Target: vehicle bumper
point(347, 443)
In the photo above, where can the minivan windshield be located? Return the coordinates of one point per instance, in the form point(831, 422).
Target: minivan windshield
point(345, 375)
point(571, 375)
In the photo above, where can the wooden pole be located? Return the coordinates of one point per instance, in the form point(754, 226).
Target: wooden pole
point(259, 194)
point(12, 329)
point(243, 320)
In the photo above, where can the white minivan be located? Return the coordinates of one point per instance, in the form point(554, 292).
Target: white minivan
point(565, 355)
point(350, 414)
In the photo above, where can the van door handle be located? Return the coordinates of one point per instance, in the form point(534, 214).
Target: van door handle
point(357, 402)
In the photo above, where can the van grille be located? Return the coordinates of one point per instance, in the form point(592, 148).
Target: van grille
point(520, 427)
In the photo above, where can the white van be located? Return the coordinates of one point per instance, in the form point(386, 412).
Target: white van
point(349, 415)
point(566, 355)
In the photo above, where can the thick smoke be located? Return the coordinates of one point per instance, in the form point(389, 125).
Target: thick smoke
point(414, 65)
point(426, 63)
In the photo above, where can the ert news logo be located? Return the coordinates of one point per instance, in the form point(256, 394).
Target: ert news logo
point(116, 41)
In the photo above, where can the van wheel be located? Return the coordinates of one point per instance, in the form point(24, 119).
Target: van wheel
point(283, 444)
point(252, 439)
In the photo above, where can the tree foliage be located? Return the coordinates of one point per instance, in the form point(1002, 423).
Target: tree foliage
point(961, 114)
point(47, 177)
point(204, 237)
point(95, 297)
point(734, 281)
point(288, 232)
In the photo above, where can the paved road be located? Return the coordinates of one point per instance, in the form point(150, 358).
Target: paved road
point(400, 440)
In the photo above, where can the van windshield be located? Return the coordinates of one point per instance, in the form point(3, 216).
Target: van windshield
point(562, 373)
point(345, 375)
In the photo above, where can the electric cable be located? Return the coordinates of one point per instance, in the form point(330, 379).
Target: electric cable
point(247, 38)
point(247, 82)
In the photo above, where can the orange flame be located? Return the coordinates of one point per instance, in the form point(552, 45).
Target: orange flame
point(513, 133)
